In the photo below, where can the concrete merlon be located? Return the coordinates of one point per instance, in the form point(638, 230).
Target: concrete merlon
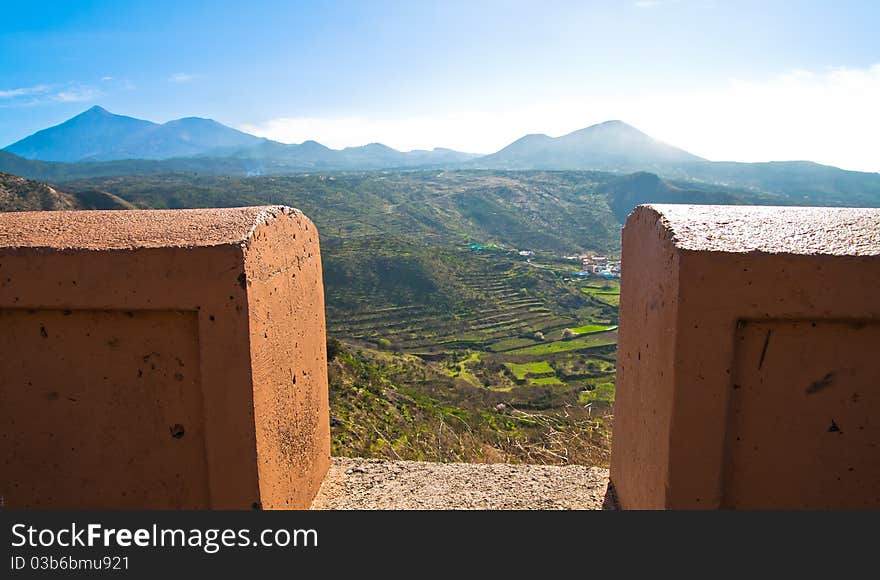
point(137, 229)
point(769, 229)
point(735, 322)
point(163, 359)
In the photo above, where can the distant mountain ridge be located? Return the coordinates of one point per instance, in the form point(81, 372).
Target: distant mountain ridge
point(98, 143)
point(98, 135)
point(612, 145)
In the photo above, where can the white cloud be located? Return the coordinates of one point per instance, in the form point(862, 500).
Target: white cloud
point(181, 77)
point(43, 94)
point(828, 116)
point(652, 3)
point(106, 78)
point(23, 92)
point(76, 95)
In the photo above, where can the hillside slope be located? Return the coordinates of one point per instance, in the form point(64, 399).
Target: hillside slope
point(558, 211)
point(19, 194)
point(802, 182)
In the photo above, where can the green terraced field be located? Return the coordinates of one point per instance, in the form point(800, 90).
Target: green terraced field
point(520, 370)
point(560, 346)
point(602, 365)
point(447, 299)
point(592, 328)
point(601, 393)
point(510, 344)
point(544, 381)
point(611, 299)
point(607, 293)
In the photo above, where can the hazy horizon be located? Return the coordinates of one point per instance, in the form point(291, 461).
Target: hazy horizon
point(755, 81)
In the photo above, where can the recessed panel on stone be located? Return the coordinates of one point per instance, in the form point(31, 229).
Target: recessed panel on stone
point(802, 425)
point(109, 402)
point(747, 368)
point(162, 359)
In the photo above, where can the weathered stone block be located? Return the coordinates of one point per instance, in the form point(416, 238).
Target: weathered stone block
point(746, 369)
point(162, 359)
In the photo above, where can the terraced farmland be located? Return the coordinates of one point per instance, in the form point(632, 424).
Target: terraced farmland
point(486, 319)
point(522, 370)
point(607, 292)
point(452, 299)
point(592, 329)
point(582, 342)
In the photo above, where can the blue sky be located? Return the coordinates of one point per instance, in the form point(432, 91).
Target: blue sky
point(727, 80)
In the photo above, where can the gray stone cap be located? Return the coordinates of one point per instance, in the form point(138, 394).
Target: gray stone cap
point(134, 229)
point(770, 229)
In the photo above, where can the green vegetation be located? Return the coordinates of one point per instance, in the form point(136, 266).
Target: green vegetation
point(592, 328)
point(548, 211)
point(600, 365)
point(606, 292)
point(560, 346)
point(611, 299)
point(19, 194)
point(429, 300)
point(401, 407)
point(533, 368)
point(546, 381)
point(601, 393)
point(510, 344)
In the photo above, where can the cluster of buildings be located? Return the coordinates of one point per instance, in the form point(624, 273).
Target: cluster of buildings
point(599, 266)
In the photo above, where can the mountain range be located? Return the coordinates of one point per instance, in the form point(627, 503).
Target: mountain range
point(98, 143)
point(98, 135)
point(612, 145)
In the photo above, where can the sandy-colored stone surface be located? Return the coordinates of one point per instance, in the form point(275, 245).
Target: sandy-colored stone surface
point(375, 484)
point(134, 229)
point(746, 367)
point(806, 231)
point(162, 360)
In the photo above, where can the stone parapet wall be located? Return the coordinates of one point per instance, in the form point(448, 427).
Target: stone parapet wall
point(746, 370)
point(162, 359)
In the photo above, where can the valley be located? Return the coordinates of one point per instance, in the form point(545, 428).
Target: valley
point(497, 375)
point(452, 304)
point(463, 323)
